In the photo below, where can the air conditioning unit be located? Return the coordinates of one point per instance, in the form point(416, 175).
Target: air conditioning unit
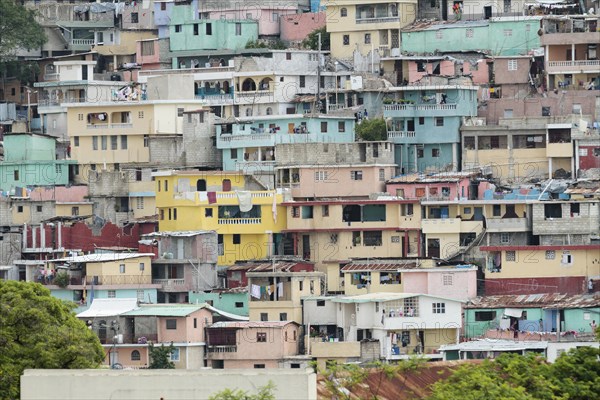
point(333, 238)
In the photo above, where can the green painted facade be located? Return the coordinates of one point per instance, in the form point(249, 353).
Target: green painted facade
point(187, 32)
point(499, 36)
point(234, 303)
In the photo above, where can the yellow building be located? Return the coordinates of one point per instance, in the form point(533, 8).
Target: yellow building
point(367, 25)
point(194, 200)
point(329, 233)
point(104, 135)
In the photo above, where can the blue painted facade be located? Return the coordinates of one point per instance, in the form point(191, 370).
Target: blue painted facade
point(235, 303)
point(425, 125)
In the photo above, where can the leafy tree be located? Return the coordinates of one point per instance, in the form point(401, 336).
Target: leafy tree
point(264, 393)
point(574, 375)
point(312, 40)
point(160, 356)
point(371, 129)
point(40, 331)
point(18, 29)
point(62, 279)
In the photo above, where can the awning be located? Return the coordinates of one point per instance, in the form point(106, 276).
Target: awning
point(513, 312)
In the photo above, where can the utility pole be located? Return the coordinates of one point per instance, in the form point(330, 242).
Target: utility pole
point(318, 100)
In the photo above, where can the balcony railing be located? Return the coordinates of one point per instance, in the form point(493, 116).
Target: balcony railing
point(97, 126)
point(222, 349)
point(336, 107)
point(82, 42)
point(184, 71)
point(576, 63)
point(118, 280)
point(419, 107)
point(121, 126)
point(239, 221)
point(258, 93)
point(252, 137)
point(169, 282)
point(401, 134)
point(215, 98)
point(51, 77)
point(378, 20)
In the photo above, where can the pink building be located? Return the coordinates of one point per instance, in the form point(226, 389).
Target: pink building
point(296, 27)
point(448, 67)
point(440, 186)
point(455, 282)
point(267, 15)
point(252, 344)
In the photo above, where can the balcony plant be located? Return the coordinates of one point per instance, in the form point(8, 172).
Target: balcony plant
point(62, 279)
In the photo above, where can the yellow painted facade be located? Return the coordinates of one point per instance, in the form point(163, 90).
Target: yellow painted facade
point(112, 272)
point(366, 26)
point(181, 207)
point(73, 209)
point(142, 206)
point(21, 214)
point(510, 164)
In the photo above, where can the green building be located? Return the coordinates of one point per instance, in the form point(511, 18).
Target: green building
point(30, 160)
point(234, 301)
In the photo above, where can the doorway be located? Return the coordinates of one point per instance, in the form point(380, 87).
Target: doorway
point(433, 248)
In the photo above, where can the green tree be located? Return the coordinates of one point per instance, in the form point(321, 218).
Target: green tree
point(62, 279)
point(264, 393)
point(312, 40)
point(40, 331)
point(371, 130)
point(18, 29)
point(160, 356)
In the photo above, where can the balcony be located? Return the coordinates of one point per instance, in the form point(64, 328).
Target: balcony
point(214, 99)
point(221, 349)
point(240, 221)
point(97, 126)
point(255, 137)
point(81, 44)
point(434, 107)
point(573, 67)
point(508, 225)
point(119, 280)
point(450, 225)
point(184, 71)
point(423, 110)
point(121, 126)
point(561, 150)
point(401, 134)
point(378, 20)
point(170, 283)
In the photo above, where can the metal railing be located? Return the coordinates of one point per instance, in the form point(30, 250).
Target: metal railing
point(86, 42)
point(239, 221)
point(420, 107)
point(222, 349)
point(401, 134)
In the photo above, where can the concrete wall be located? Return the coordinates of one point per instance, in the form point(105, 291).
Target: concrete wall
point(295, 28)
point(334, 153)
point(172, 385)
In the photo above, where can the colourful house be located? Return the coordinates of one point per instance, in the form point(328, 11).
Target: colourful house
point(424, 121)
point(234, 300)
point(30, 160)
point(195, 200)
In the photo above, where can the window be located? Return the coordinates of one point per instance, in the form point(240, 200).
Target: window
point(508, 32)
point(469, 32)
point(122, 268)
point(307, 212)
point(163, 6)
point(301, 285)
point(320, 176)
point(439, 121)
point(485, 315)
point(112, 294)
point(320, 303)
point(511, 256)
point(323, 126)
point(302, 81)
point(545, 111)
point(139, 203)
point(550, 254)
point(171, 324)
point(174, 214)
point(142, 266)
point(435, 153)
point(275, 17)
point(104, 141)
point(512, 65)
point(439, 35)
point(447, 280)
point(134, 18)
point(76, 141)
point(343, 12)
point(264, 316)
point(504, 238)
point(421, 120)
point(367, 38)
point(576, 108)
point(237, 238)
point(238, 29)
point(174, 354)
point(288, 56)
point(195, 323)
point(148, 48)
point(341, 126)
point(177, 28)
point(233, 154)
point(166, 185)
point(180, 112)
point(39, 208)
point(123, 142)
point(208, 212)
point(16, 174)
point(390, 278)
point(113, 142)
point(295, 212)
point(135, 355)
point(372, 238)
point(381, 175)
point(239, 304)
point(259, 366)
point(283, 316)
point(261, 337)
point(439, 308)
point(497, 210)
point(356, 175)
point(74, 211)
point(346, 40)
point(420, 153)
point(567, 258)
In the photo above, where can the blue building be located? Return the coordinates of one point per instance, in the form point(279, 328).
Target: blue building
point(424, 123)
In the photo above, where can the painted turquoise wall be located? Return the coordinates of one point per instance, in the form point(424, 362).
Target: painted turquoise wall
point(27, 147)
point(34, 173)
point(487, 35)
point(575, 319)
point(225, 303)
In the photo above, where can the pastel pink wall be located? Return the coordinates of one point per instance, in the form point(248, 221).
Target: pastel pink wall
point(446, 69)
point(415, 282)
point(144, 60)
point(185, 331)
point(339, 182)
point(267, 25)
point(481, 74)
point(59, 194)
point(297, 27)
point(457, 189)
point(463, 287)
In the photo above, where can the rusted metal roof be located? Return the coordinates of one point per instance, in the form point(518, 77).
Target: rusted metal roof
point(380, 265)
point(266, 266)
point(543, 300)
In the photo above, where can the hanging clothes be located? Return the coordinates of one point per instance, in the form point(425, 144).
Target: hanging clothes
point(280, 289)
point(245, 200)
point(212, 197)
point(274, 209)
point(255, 291)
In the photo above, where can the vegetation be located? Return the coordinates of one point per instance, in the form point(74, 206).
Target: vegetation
point(312, 40)
point(18, 29)
point(62, 279)
point(40, 331)
point(371, 130)
point(574, 375)
point(160, 357)
point(264, 393)
point(277, 44)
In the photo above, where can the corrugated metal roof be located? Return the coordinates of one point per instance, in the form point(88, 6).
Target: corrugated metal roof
point(380, 266)
point(101, 257)
point(109, 307)
point(167, 310)
point(496, 345)
point(177, 233)
point(380, 297)
point(542, 300)
point(279, 266)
